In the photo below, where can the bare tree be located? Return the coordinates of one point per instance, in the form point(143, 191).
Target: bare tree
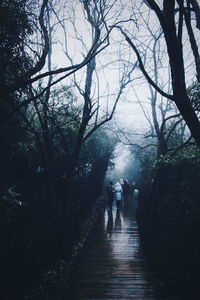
point(93, 116)
point(173, 34)
point(34, 74)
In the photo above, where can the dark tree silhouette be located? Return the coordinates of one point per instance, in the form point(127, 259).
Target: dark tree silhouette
point(173, 32)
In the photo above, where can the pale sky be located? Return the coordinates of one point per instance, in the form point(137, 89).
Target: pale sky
point(129, 114)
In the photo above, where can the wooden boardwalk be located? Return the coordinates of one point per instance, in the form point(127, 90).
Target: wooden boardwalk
point(112, 265)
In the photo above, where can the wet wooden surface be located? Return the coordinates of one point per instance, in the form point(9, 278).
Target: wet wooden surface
point(113, 265)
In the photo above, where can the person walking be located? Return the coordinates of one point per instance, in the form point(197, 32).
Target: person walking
point(110, 190)
point(126, 191)
point(118, 194)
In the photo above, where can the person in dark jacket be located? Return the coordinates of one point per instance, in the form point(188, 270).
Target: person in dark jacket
point(110, 191)
point(126, 191)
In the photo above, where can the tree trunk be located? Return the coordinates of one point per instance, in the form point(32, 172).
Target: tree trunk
point(188, 113)
point(180, 92)
point(175, 52)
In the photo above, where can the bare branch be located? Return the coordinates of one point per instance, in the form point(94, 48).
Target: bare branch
point(168, 118)
point(185, 144)
point(141, 65)
point(173, 128)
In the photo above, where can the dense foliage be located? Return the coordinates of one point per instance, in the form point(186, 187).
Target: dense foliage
point(45, 195)
point(169, 219)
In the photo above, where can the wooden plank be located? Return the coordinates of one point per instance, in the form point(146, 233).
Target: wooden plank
point(112, 265)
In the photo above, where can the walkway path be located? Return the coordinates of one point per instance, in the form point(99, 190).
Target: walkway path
point(112, 265)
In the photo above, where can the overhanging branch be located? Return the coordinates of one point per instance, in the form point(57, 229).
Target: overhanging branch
point(141, 65)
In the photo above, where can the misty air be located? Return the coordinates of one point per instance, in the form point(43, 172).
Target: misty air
point(99, 156)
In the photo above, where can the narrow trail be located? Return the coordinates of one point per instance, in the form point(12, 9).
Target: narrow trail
point(113, 265)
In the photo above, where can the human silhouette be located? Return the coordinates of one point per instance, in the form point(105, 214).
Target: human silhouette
point(110, 191)
point(118, 194)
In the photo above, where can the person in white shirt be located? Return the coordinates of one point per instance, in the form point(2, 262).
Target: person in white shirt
point(118, 194)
